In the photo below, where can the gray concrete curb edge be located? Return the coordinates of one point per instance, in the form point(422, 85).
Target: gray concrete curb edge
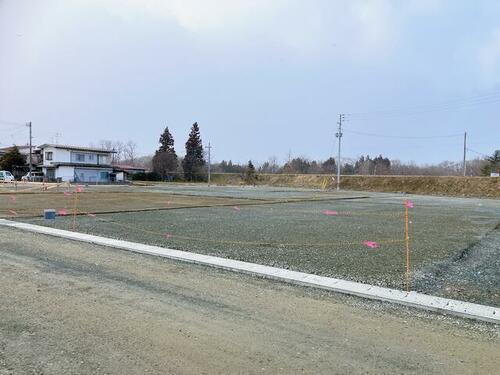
point(413, 299)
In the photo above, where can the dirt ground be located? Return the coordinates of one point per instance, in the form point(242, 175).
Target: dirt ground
point(33, 204)
point(73, 308)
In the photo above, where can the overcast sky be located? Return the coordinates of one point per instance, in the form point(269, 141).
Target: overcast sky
point(261, 77)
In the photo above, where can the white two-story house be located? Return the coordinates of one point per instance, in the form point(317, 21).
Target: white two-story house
point(76, 164)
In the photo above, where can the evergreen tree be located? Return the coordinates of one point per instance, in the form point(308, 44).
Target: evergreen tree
point(493, 164)
point(165, 159)
point(329, 166)
point(167, 142)
point(194, 160)
point(13, 158)
point(250, 173)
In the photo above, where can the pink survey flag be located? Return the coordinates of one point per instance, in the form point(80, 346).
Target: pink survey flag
point(67, 193)
point(236, 208)
point(62, 212)
point(371, 244)
point(408, 204)
point(79, 189)
point(329, 212)
point(91, 215)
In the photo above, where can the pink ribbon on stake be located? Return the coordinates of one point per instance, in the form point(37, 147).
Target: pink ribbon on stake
point(408, 204)
point(79, 189)
point(236, 208)
point(67, 193)
point(329, 212)
point(371, 244)
point(62, 212)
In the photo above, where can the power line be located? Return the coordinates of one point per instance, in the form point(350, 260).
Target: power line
point(477, 152)
point(11, 123)
point(401, 136)
point(450, 105)
point(11, 129)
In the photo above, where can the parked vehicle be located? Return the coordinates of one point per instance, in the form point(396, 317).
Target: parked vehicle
point(35, 176)
point(6, 176)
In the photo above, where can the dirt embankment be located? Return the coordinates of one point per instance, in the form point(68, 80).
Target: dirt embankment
point(435, 185)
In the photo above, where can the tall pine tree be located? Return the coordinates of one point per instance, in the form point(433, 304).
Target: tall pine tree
point(167, 142)
point(165, 159)
point(193, 161)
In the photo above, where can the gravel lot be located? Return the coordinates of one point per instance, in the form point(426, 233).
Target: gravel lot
point(73, 308)
point(299, 236)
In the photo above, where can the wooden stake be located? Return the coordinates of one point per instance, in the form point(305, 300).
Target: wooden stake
point(74, 208)
point(407, 240)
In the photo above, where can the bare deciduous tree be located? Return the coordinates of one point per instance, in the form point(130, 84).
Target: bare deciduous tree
point(123, 151)
point(130, 152)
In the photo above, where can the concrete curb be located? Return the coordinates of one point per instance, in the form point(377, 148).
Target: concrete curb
point(413, 299)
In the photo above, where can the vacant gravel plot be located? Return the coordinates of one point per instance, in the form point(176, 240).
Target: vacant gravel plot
point(73, 308)
point(307, 236)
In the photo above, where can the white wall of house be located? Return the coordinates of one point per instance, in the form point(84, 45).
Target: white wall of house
point(65, 173)
point(90, 158)
point(59, 155)
point(121, 176)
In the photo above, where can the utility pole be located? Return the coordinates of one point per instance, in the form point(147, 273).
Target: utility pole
point(209, 161)
point(339, 136)
point(465, 153)
point(31, 152)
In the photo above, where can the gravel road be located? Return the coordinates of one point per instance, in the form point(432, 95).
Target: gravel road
point(73, 308)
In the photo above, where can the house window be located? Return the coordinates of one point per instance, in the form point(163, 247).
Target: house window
point(80, 157)
point(91, 157)
point(104, 176)
point(49, 155)
point(102, 159)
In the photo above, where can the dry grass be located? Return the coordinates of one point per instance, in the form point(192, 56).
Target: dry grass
point(32, 204)
point(434, 185)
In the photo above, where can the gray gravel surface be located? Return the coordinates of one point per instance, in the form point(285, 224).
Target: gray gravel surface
point(299, 236)
point(472, 275)
point(73, 308)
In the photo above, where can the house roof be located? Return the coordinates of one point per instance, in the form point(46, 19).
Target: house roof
point(128, 167)
point(77, 148)
point(20, 147)
point(78, 165)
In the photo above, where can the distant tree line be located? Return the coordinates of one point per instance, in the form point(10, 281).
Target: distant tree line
point(166, 165)
point(366, 165)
